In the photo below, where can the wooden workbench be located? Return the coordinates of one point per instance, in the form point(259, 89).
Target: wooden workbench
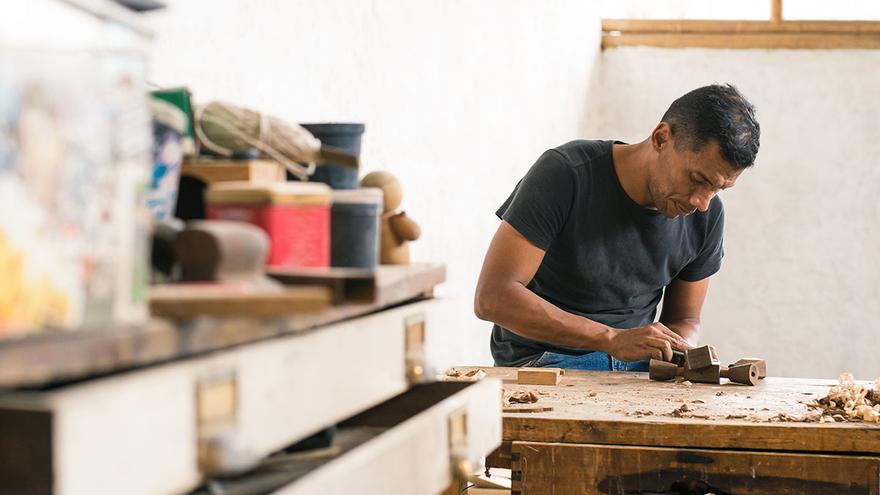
point(616, 432)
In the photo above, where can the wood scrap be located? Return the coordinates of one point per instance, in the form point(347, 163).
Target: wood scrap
point(538, 376)
point(680, 411)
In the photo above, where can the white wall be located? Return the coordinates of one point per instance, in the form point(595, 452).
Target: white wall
point(799, 284)
point(459, 97)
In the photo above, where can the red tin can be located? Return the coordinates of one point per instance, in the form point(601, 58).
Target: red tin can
point(295, 215)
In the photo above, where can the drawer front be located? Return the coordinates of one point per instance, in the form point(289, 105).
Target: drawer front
point(545, 468)
point(137, 432)
point(411, 444)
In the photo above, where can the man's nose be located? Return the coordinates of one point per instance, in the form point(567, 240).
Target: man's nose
point(701, 199)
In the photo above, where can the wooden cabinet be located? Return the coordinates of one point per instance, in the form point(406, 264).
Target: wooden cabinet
point(412, 443)
point(166, 427)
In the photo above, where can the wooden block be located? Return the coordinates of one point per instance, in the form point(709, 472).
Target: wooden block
point(706, 374)
point(701, 357)
point(211, 171)
point(538, 376)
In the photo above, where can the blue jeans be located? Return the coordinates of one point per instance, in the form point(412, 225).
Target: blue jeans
point(591, 361)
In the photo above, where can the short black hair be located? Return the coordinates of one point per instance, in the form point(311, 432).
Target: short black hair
point(718, 112)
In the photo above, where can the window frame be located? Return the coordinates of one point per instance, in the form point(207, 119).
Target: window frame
point(774, 33)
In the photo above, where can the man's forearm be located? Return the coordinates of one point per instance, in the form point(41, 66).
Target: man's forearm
point(688, 328)
point(522, 311)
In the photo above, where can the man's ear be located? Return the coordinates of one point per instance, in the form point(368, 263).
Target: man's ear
point(661, 137)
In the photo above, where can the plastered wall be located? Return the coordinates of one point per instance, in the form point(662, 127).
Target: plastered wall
point(460, 97)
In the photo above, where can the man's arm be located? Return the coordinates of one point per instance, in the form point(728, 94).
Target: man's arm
point(502, 297)
point(682, 305)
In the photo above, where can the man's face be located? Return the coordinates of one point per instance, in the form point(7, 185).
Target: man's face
point(686, 180)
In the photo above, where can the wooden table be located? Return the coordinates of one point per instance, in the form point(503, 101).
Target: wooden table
point(616, 432)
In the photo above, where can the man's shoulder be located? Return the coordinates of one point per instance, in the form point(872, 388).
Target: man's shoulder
point(581, 152)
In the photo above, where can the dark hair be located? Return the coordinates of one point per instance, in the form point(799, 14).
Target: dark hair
point(718, 112)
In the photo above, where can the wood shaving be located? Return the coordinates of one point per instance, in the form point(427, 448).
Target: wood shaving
point(592, 393)
point(454, 375)
point(640, 413)
point(849, 401)
point(680, 411)
point(522, 398)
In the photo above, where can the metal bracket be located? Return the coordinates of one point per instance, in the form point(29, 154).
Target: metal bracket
point(216, 404)
point(459, 460)
point(414, 348)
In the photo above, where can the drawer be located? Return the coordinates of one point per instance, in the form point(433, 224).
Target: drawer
point(410, 444)
point(138, 432)
point(545, 468)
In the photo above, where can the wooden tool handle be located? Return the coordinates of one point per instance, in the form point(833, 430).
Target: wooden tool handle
point(336, 156)
point(662, 370)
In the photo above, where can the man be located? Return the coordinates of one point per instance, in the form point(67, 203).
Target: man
point(596, 231)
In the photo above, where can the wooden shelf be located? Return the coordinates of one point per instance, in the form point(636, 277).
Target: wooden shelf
point(50, 359)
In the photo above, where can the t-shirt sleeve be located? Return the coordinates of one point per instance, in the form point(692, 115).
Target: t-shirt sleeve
point(540, 204)
point(708, 261)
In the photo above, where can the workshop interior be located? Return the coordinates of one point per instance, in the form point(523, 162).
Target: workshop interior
point(439, 247)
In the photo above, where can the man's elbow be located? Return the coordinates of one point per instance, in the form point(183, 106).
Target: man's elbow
point(484, 305)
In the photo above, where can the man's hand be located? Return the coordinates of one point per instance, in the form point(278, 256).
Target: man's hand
point(654, 341)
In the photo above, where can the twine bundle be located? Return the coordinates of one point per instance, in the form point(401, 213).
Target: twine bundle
point(225, 128)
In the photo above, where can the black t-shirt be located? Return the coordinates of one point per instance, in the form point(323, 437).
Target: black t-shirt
point(606, 257)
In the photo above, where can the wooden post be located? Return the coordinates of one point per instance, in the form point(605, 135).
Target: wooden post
point(776, 11)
